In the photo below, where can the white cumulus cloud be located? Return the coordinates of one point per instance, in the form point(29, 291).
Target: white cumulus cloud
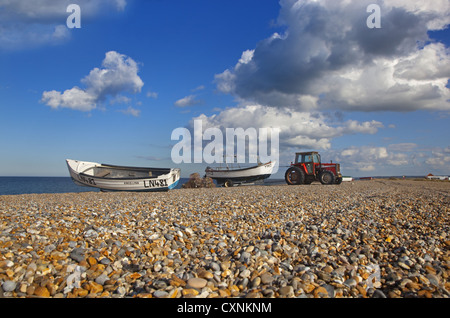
point(187, 101)
point(297, 129)
point(119, 74)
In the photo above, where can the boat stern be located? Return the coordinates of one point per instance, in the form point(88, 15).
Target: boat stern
point(175, 174)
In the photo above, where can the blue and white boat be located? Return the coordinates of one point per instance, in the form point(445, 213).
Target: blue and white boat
point(229, 176)
point(122, 178)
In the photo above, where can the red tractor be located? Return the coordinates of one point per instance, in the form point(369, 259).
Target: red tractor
point(308, 168)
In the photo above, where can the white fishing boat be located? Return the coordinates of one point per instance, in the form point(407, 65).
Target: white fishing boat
point(121, 178)
point(228, 176)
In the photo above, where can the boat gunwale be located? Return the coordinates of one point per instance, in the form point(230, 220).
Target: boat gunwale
point(162, 176)
point(102, 165)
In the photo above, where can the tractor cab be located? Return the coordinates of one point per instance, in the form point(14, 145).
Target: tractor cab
point(310, 160)
point(308, 168)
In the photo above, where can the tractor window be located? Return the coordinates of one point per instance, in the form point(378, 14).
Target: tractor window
point(316, 158)
point(307, 157)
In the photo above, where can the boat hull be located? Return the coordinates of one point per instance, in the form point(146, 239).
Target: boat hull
point(89, 174)
point(245, 175)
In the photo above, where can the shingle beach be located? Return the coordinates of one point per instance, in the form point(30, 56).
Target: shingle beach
point(379, 238)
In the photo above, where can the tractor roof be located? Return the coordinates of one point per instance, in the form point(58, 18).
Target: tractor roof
point(307, 152)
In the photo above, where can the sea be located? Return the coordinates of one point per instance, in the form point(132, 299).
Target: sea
point(28, 185)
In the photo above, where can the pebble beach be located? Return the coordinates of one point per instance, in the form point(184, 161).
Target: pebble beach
point(363, 239)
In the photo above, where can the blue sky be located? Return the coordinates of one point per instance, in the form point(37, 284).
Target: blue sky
point(113, 91)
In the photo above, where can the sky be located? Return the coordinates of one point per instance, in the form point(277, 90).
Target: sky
point(114, 87)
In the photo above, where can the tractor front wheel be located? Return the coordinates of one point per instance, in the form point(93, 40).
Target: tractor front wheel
point(326, 177)
point(294, 175)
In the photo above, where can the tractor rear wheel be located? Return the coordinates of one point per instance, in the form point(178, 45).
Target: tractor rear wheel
point(294, 175)
point(326, 177)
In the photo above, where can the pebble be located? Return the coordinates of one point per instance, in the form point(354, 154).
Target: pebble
point(266, 278)
point(102, 279)
point(287, 291)
point(197, 282)
point(77, 254)
point(160, 294)
point(379, 238)
point(9, 285)
point(350, 283)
